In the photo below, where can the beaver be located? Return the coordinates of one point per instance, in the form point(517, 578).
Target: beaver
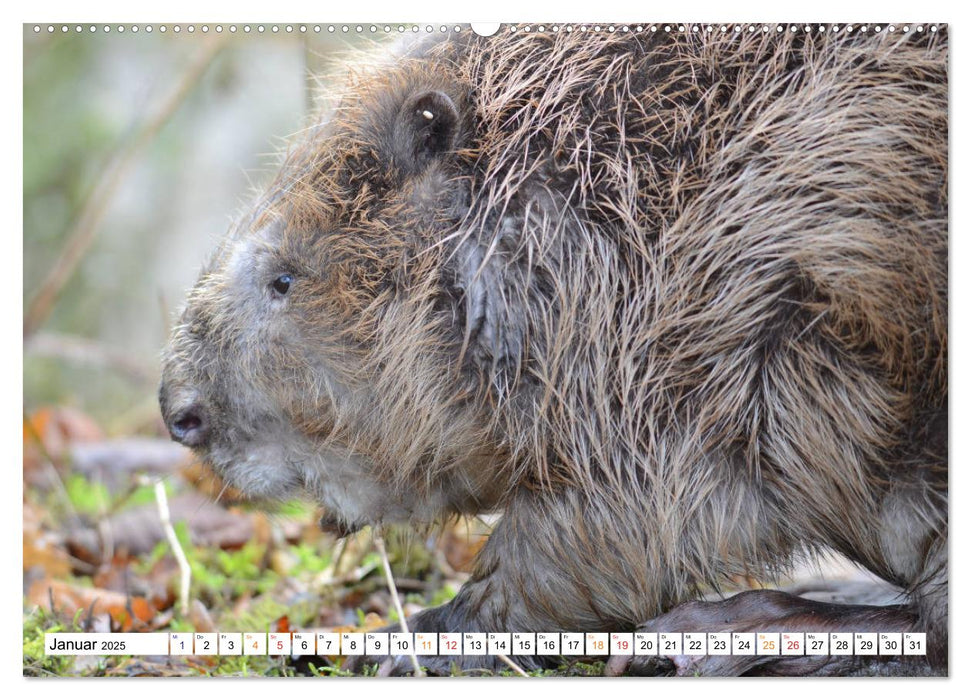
point(674, 302)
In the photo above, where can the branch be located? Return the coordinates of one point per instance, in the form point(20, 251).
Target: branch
point(82, 235)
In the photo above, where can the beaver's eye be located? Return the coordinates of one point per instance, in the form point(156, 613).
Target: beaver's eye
point(281, 285)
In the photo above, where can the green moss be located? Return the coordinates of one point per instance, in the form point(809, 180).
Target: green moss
point(258, 616)
point(324, 671)
point(86, 497)
point(443, 595)
point(37, 623)
point(295, 509)
point(252, 667)
point(582, 668)
point(309, 561)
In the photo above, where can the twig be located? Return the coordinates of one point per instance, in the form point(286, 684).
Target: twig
point(338, 554)
point(104, 529)
point(512, 664)
point(379, 543)
point(82, 234)
point(330, 577)
point(186, 572)
point(327, 576)
point(353, 576)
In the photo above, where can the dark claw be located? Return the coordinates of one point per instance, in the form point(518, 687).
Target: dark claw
point(334, 525)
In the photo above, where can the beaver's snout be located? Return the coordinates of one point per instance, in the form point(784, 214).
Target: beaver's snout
point(185, 417)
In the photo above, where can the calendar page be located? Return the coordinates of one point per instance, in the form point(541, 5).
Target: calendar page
point(566, 349)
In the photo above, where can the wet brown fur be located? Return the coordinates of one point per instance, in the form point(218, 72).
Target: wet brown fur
point(677, 303)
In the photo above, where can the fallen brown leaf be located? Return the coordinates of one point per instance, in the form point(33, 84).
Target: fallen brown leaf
point(127, 613)
point(56, 428)
point(200, 618)
point(43, 550)
point(207, 482)
point(461, 548)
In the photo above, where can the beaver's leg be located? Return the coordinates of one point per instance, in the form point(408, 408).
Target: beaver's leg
point(491, 601)
point(456, 616)
point(554, 562)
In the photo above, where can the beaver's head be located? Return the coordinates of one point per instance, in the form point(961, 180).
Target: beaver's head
point(321, 348)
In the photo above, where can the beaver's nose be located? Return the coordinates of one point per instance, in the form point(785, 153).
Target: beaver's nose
point(189, 426)
point(184, 415)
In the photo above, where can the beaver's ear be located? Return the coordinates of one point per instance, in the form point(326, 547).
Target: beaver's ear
point(425, 128)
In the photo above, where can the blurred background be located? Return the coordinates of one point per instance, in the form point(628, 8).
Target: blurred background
point(139, 149)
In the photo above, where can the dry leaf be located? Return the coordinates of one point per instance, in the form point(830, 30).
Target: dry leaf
point(200, 618)
point(56, 429)
point(42, 550)
point(461, 549)
point(127, 613)
point(207, 482)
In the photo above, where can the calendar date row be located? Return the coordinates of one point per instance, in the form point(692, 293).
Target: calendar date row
point(489, 644)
